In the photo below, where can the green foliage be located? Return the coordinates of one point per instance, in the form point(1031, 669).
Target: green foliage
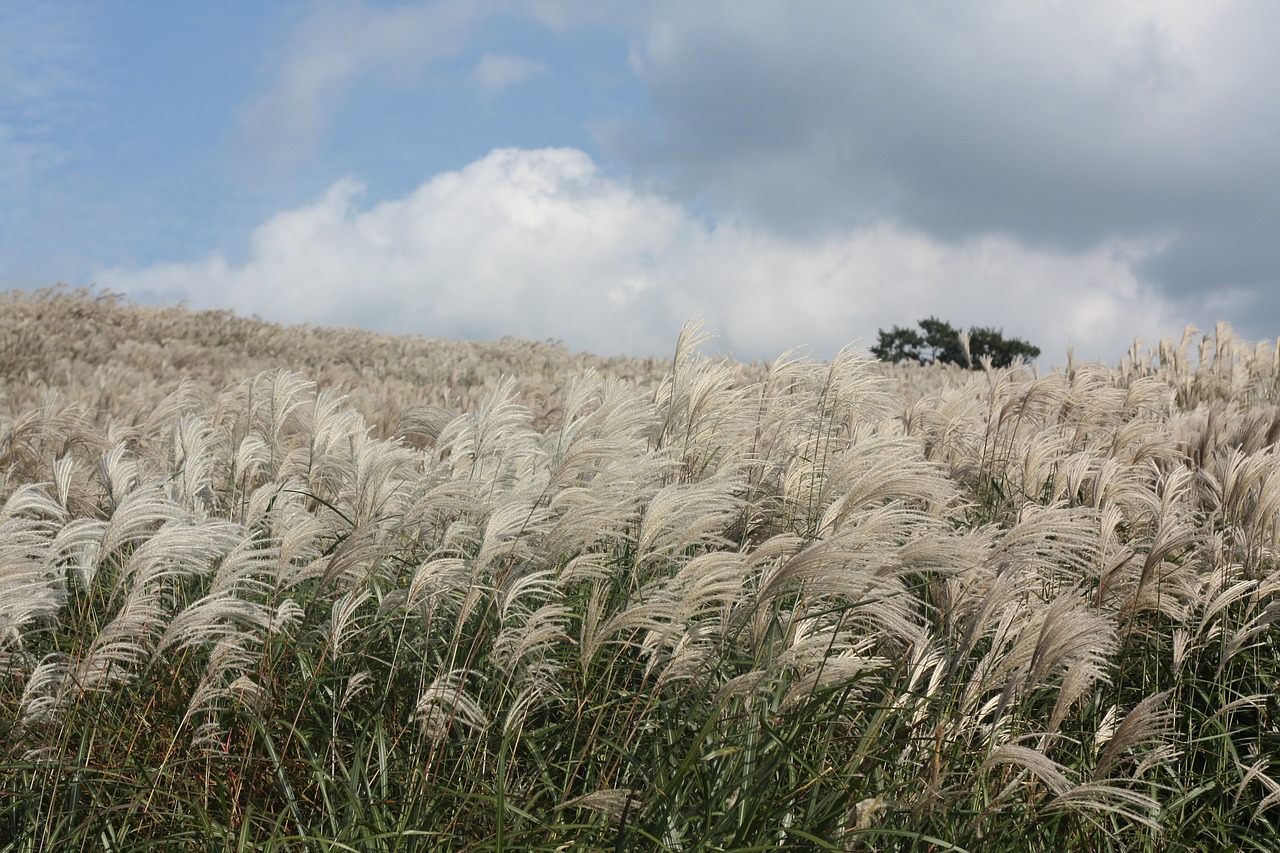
point(985, 341)
point(940, 343)
point(901, 345)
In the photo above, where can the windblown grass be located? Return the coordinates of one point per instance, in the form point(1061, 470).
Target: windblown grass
point(707, 607)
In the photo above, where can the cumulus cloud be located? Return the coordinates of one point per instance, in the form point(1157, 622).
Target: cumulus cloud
point(542, 244)
point(1064, 126)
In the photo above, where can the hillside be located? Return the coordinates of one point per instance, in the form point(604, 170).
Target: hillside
point(275, 588)
point(80, 343)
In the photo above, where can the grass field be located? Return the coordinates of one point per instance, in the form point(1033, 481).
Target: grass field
point(267, 588)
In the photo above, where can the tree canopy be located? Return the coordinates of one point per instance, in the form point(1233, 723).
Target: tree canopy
point(937, 342)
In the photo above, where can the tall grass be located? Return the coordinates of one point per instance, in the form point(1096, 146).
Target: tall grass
point(800, 606)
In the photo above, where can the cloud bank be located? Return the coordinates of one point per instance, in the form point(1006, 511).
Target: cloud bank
point(540, 243)
point(1063, 126)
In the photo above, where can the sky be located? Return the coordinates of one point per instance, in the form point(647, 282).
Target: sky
point(797, 173)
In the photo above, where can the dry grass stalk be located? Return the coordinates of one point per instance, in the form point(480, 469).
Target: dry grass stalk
point(528, 588)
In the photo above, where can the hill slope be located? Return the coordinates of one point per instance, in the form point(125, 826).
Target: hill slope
point(685, 605)
point(80, 343)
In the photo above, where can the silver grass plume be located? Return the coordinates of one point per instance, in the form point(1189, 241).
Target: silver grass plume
point(176, 551)
point(690, 613)
point(440, 581)
point(1109, 798)
point(1147, 724)
point(1256, 773)
point(119, 473)
point(485, 446)
point(32, 591)
point(1163, 581)
point(237, 603)
point(445, 704)
point(1028, 760)
point(683, 516)
point(63, 471)
point(343, 619)
point(229, 659)
point(878, 470)
point(523, 647)
point(78, 547)
point(41, 695)
point(187, 398)
point(136, 516)
point(318, 451)
point(192, 460)
point(611, 802)
point(267, 404)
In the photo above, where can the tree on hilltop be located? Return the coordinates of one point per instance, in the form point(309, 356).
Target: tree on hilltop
point(938, 342)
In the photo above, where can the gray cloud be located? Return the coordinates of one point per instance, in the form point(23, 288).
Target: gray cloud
point(1062, 126)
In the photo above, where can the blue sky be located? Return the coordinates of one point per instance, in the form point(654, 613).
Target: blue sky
point(799, 173)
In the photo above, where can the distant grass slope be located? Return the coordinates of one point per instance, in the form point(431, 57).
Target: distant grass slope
point(79, 343)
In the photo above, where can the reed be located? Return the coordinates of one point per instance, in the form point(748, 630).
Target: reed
point(267, 588)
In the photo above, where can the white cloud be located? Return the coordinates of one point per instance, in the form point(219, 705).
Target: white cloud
point(541, 244)
point(497, 71)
